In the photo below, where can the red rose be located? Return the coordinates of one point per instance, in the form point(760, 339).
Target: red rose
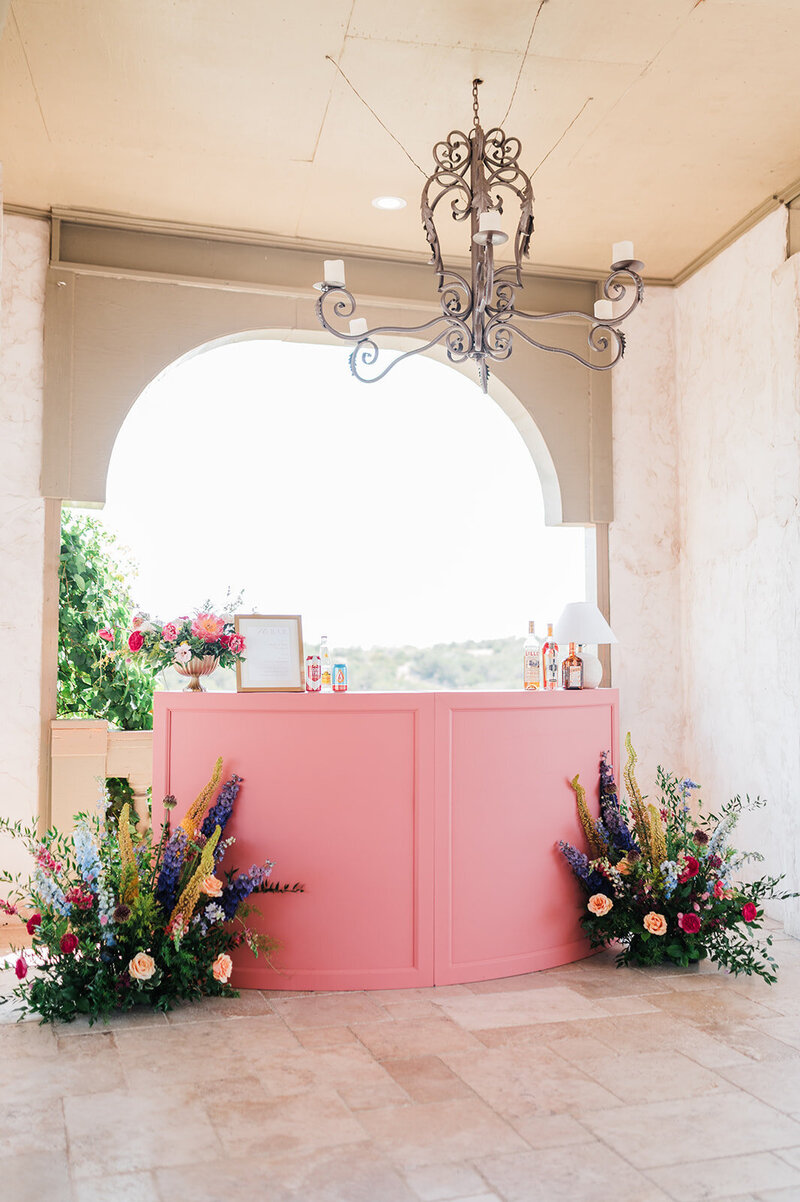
point(135, 640)
point(108, 635)
point(690, 923)
point(69, 943)
point(225, 639)
point(690, 869)
point(33, 922)
point(749, 912)
point(21, 968)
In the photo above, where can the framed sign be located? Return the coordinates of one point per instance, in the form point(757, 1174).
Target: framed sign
point(274, 654)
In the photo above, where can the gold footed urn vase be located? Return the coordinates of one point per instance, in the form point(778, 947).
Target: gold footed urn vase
point(196, 667)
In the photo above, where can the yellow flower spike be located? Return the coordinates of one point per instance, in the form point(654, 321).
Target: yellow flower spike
point(129, 877)
point(597, 845)
point(185, 906)
point(640, 818)
point(658, 837)
point(193, 814)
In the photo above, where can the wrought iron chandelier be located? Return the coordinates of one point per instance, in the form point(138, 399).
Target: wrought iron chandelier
point(479, 314)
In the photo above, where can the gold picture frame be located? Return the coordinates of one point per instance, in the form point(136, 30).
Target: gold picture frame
point(273, 651)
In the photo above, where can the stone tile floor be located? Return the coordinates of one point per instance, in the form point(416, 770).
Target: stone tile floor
point(580, 1083)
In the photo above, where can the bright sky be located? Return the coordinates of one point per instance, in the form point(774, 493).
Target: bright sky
point(407, 511)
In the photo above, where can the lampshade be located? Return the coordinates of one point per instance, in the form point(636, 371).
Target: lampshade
point(582, 622)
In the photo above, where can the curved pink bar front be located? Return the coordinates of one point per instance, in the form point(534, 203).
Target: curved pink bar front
point(423, 825)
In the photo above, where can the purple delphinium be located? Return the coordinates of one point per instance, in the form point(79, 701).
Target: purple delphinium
point(616, 826)
point(240, 889)
point(577, 860)
point(222, 808)
point(167, 884)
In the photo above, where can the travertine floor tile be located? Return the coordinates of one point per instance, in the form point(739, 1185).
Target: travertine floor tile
point(710, 1008)
point(329, 1010)
point(552, 1131)
point(125, 1187)
point(249, 1002)
point(349, 1069)
point(426, 1079)
point(81, 1066)
point(401, 1040)
point(561, 1175)
point(776, 1082)
point(727, 1177)
point(483, 1011)
point(355, 1173)
point(669, 1133)
point(413, 1136)
point(125, 1132)
point(522, 1083)
point(315, 1038)
point(441, 1182)
point(654, 1076)
point(40, 1176)
point(25, 1125)
point(316, 1119)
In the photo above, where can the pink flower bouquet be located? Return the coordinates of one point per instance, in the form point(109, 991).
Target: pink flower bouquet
point(166, 644)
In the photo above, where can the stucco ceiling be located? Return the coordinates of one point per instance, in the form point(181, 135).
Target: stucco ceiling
point(665, 121)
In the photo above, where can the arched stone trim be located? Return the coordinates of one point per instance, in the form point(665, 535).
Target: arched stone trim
point(109, 332)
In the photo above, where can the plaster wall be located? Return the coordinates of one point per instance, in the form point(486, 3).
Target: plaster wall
point(25, 252)
point(737, 350)
point(644, 539)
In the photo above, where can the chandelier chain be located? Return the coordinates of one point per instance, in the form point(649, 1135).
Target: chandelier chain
point(475, 117)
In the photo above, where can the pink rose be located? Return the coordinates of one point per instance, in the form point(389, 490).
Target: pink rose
point(749, 912)
point(169, 632)
point(33, 922)
point(137, 622)
point(106, 634)
point(690, 923)
point(69, 943)
point(21, 968)
point(236, 644)
point(135, 641)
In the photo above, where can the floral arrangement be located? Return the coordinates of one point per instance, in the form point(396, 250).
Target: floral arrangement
point(662, 883)
point(118, 922)
point(167, 644)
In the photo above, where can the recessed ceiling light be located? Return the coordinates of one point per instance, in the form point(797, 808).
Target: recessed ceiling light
point(388, 202)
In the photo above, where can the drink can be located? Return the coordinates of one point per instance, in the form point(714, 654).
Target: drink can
point(340, 678)
point(313, 674)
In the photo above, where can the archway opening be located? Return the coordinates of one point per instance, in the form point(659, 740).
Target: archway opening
point(405, 520)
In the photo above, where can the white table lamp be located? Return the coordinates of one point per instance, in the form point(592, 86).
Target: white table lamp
point(582, 622)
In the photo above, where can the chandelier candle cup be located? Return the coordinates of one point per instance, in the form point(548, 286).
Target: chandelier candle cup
point(340, 677)
point(604, 310)
point(313, 674)
point(334, 272)
point(358, 325)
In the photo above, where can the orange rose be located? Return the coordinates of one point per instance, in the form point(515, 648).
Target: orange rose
point(212, 886)
point(142, 967)
point(623, 868)
point(599, 904)
point(656, 924)
point(222, 968)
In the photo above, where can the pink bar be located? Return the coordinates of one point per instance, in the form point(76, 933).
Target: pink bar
point(378, 802)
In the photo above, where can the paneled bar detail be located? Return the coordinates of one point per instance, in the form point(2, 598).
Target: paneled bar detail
point(423, 825)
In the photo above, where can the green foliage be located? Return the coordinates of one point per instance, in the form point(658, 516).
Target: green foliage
point(484, 664)
point(98, 947)
point(95, 679)
point(670, 890)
